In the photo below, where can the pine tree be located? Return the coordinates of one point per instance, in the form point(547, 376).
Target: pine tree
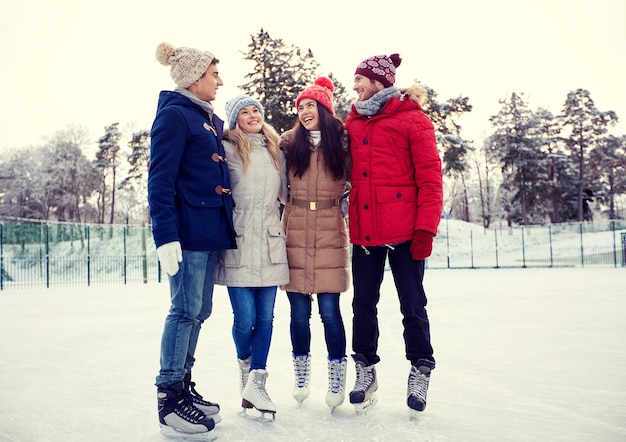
point(609, 159)
point(516, 142)
point(341, 98)
point(106, 161)
point(279, 74)
point(134, 186)
point(73, 179)
point(584, 126)
point(453, 146)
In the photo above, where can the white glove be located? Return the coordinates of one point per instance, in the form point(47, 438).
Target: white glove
point(170, 255)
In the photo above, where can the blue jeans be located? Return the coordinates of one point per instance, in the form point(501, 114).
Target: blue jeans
point(191, 292)
point(300, 327)
point(253, 312)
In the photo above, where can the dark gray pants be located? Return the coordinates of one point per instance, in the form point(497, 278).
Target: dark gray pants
point(367, 272)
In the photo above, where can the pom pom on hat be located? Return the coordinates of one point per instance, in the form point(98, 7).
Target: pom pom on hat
point(321, 91)
point(381, 68)
point(234, 105)
point(187, 64)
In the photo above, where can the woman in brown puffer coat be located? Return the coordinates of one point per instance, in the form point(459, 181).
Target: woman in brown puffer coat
point(318, 163)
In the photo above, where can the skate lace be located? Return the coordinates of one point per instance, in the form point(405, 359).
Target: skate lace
point(193, 392)
point(301, 369)
point(335, 376)
point(259, 387)
point(364, 377)
point(189, 412)
point(418, 384)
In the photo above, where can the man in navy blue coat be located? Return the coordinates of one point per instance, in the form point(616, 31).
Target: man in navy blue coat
point(191, 210)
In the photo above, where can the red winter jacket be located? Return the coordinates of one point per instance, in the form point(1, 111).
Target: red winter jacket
point(396, 174)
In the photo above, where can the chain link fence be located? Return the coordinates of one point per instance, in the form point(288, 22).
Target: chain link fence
point(39, 255)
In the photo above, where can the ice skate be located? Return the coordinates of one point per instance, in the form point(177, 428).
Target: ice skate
point(244, 372)
point(417, 388)
point(255, 396)
point(211, 409)
point(336, 382)
point(178, 418)
point(302, 371)
point(363, 395)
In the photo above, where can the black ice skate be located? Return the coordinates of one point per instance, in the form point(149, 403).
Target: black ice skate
point(211, 409)
point(417, 388)
point(179, 418)
point(362, 396)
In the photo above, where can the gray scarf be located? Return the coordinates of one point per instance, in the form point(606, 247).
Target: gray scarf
point(205, 105)
point(376, 102)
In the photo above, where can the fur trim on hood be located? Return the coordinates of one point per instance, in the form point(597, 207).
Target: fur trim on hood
point(417, 93)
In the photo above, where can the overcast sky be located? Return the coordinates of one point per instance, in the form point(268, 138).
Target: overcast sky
point(91, 64)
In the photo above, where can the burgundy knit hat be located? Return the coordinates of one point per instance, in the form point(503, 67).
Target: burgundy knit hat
point(321, 91)
point(381, 68)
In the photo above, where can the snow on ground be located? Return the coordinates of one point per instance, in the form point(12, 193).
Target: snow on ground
point(523, 355)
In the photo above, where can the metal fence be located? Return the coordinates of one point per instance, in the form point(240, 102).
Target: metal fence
point(39, 255)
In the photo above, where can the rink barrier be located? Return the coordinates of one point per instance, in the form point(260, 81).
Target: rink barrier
point(47, 254)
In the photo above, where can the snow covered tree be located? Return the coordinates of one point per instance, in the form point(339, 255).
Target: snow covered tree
point(341, 98)
point(484, 165)
point(279, 74)
point(16, 178)
point(583, 127)
point(453, 146)
point(609, 158)
point(517, 143)
point(558, 180)
point(139, 160)
point(72, 178)
point(106, 163)
point(134, 186)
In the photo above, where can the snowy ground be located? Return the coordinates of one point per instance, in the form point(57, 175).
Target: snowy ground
point(523, 355)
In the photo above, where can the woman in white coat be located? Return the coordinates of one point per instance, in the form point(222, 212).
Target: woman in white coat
point(253, 271)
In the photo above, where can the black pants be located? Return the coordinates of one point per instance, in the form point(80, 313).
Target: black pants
point(368, 267)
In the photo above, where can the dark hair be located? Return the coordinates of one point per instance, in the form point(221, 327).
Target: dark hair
point(331, 130)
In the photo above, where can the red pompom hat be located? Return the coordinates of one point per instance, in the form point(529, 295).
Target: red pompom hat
point(321, 91)
point(381, 68)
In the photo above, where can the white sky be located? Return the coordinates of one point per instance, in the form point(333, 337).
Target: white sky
point(90, 64)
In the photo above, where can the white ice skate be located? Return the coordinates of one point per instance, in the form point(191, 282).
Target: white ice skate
point(336, 383)
point(244, 372)
point(255, 396)
point(302, 372)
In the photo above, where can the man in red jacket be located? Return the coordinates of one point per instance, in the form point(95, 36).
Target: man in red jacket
point(395, 208)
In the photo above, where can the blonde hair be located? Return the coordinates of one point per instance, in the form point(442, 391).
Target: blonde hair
point(243, 147)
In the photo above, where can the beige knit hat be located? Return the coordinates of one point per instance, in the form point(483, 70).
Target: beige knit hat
point(187, 64)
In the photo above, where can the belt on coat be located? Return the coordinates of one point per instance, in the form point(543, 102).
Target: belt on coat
point(315, 205)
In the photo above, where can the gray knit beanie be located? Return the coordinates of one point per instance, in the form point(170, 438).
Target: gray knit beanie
point(187, 64)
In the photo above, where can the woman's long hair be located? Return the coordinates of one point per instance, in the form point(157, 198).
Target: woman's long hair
point(243, 147)
point(331, 130)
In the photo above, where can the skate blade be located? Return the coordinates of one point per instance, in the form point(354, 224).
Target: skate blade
point(263, 416)
point(172, 433)
point(216, 418)
point(364, 406)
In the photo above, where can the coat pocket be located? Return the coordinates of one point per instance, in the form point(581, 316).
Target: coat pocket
point(277, 245)
point(232, 257)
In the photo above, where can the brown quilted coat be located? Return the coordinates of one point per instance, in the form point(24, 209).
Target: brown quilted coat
point(317, 240)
